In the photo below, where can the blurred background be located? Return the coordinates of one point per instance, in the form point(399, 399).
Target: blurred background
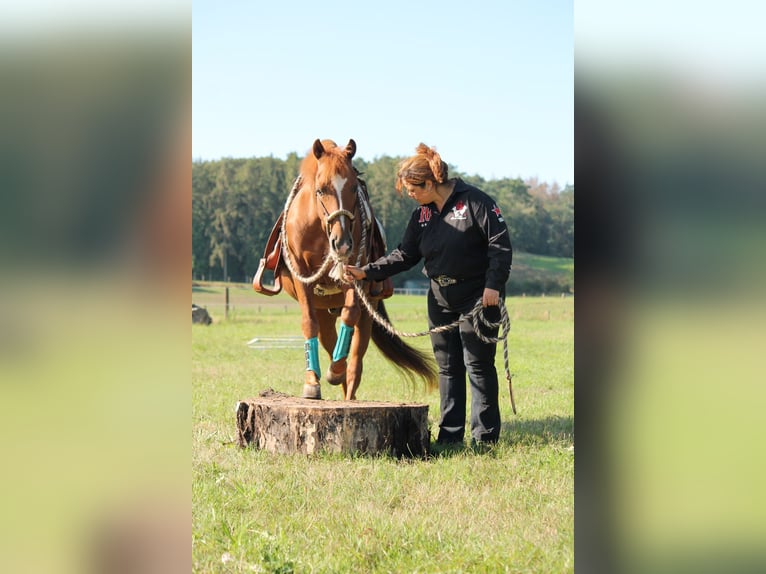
point(95, 172)
point(670, 237)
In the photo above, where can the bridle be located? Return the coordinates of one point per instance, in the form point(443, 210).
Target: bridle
point(330, 258)
point(330, 217)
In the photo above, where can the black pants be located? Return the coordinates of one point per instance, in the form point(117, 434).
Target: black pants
point(459, 351)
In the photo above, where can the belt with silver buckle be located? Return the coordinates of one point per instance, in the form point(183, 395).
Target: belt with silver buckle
point(445, 281)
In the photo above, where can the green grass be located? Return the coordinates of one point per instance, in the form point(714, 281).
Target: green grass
point(541, 274)
point(506, 510)
point(558, 265)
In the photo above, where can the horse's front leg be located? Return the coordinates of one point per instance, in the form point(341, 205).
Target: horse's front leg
point(359, 345)
point(310, 329)
point(349, 316)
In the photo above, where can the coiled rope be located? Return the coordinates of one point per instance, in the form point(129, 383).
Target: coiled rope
point(476, 315)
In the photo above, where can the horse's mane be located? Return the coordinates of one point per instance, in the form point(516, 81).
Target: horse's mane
point(339, 163)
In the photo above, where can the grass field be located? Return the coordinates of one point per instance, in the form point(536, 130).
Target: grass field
point(542, 274)
point(506, 510)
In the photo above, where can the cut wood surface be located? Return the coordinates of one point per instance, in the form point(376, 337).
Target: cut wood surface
point(281, 423)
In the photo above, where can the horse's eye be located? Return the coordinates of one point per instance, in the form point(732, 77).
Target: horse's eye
point(320, 193)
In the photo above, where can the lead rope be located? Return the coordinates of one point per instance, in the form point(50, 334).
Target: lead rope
point(477, 316)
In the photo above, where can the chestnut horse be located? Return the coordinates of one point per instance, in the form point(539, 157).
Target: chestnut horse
point(328, 222)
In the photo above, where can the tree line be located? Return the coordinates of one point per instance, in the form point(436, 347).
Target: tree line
point(235, 203)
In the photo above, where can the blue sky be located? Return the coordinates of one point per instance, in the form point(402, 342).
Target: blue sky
point(720, 41)
point(488, 83)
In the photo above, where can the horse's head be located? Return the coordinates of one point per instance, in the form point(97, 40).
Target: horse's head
point(335, 187)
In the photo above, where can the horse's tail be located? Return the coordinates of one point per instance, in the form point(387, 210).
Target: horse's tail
point(407, 359)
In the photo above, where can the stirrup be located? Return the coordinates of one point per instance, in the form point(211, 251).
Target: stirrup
point(258, 280)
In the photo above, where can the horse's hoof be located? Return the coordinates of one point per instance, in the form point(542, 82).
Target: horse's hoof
point(312, 391)
point(335, 378)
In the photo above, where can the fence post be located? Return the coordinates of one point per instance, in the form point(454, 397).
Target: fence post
point(226, 313)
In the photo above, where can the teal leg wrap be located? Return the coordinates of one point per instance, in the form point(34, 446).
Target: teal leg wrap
point(312, 355)
point(343, 343)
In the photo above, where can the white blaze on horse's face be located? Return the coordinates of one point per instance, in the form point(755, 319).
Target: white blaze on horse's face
point(339, 182)
point(344, 243)
point(339, 224)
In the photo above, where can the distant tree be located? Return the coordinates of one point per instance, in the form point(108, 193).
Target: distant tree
point(224, 206)
point(561, 209)
point(202, 184)
point(235, 203)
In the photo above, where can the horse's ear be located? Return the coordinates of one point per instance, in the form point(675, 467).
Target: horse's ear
point(350, 149)
point(318, 149)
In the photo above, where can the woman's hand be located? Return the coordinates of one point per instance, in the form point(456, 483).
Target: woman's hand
point(351, 273)
point(490, 298)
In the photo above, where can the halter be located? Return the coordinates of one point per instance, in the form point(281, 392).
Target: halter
point(330, 258)
point(330, 217)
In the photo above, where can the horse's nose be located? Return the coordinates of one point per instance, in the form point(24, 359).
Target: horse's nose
point(342, 246)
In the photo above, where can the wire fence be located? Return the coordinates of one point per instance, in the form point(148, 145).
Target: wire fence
point(239, 301)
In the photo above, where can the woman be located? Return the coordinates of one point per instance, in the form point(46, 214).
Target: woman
point(460, 234)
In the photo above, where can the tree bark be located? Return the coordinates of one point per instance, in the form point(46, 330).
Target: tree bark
point(280, 423)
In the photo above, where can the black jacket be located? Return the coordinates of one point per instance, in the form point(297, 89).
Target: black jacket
point(467, 239)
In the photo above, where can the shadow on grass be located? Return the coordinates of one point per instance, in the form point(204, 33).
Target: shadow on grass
point(533, 432)
point(545, 431)
point(447, 450)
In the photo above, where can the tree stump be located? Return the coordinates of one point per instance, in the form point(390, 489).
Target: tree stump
point(280, 423)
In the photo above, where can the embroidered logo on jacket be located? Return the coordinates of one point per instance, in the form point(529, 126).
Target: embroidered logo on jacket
point(496, 211)
point(459, 210)
point(425, 215)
